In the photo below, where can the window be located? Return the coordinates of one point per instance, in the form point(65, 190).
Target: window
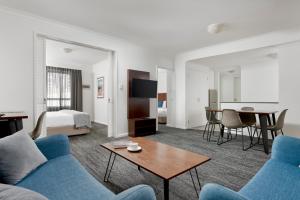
point(58, 89)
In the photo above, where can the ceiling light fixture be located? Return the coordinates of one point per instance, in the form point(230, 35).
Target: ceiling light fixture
point(214, 28)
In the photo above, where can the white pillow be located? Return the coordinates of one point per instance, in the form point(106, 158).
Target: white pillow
point(19, 156)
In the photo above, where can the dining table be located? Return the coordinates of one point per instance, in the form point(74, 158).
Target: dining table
point(11, 122)
point(266, 117)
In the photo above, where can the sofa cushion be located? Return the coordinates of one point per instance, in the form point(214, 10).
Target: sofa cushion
point(10, 192)
point(19, 156)
point(63, 178)
point(276, 180)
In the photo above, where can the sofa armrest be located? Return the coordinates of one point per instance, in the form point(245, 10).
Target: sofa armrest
point(217, 192)
point(138, 192)
point(54, 146)
point(286, 149)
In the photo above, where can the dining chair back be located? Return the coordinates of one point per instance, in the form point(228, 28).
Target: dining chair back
point(248, 118)
point(38, 128)
point(231, 119)
point(280, 121)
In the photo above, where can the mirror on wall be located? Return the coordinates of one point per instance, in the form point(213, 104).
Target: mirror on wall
point(230, 85)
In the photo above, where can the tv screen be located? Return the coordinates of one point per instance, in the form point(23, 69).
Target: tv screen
point(144, 88)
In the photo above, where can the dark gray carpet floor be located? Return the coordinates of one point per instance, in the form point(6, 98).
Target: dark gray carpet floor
point(229, 165)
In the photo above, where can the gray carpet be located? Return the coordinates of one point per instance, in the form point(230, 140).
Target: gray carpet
point(229, 165)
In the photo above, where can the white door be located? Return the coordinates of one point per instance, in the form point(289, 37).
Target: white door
point(39, 79)
point(197, 97)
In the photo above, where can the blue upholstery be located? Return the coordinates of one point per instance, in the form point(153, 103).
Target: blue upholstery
point(278, 179)
point(63, 177)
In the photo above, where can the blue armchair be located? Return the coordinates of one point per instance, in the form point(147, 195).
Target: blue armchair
point(278, 179)
point(63, 178)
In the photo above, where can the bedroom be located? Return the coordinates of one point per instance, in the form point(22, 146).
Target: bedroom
point(77, 79)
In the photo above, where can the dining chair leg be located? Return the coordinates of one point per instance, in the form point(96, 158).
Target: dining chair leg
point(272, 133)
point(281, 132)
point(275, 133)
point(209, 132)
point(205, 130)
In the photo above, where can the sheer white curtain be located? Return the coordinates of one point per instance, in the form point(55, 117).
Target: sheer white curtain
point(64, 89)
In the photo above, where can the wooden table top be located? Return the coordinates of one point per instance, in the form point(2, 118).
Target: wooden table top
point(13, 115)
point(161, 159)
point(267, 112)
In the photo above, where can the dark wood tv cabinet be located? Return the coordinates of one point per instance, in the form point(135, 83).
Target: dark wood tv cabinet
point(141, 126)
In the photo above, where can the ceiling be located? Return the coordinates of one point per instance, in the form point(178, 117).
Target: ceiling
point(169, 26)
point(228, 62)
point(79, 56)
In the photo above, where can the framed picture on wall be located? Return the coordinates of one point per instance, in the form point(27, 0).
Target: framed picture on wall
point(100, 87)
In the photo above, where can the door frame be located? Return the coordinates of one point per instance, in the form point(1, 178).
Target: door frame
point(40, 64)
point(169, 93)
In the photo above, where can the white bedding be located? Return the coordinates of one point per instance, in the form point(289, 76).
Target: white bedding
point(162, 112)
point(56, 119)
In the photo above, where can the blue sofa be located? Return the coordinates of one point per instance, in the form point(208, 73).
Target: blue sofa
point(63, 178)
point(278, 179)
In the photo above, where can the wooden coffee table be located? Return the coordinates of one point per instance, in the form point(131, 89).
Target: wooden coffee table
point(160, 159)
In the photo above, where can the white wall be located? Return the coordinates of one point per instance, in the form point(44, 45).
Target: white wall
point(101, 69)
point(87, 77)
point(260, 81)
point(265, 40)
point(17, 61)
point(161, 80)
point(289, 84)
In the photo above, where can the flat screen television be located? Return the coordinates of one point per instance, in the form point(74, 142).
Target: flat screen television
point(142, 88)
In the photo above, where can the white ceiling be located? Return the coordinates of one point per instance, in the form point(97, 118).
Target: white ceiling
point(232, 61)
point(80, 56)
point(169, 26)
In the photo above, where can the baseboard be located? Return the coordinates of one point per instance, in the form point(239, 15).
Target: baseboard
point(102, 123)
point(181, 127)
point(121, 135)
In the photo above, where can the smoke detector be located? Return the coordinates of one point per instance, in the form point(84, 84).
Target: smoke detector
point(68, 50)
point(214, 28)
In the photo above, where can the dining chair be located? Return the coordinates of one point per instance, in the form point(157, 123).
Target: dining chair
point(231, 120)
point(249, 120)
point(278, 126)
point(212, 121)
point(38, 128)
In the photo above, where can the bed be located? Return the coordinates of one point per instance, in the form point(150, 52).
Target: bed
point(162, 108)
point(69, 122)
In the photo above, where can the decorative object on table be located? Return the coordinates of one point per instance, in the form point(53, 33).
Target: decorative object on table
point(100, 87)
point(134, 147)
point(120, 144)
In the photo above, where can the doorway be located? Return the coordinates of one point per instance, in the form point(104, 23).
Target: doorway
point(65, 54)
point(165, 96)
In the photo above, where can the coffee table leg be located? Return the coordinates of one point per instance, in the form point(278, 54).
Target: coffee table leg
point(166, 189)
point(194, 184)
point(108, 169)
